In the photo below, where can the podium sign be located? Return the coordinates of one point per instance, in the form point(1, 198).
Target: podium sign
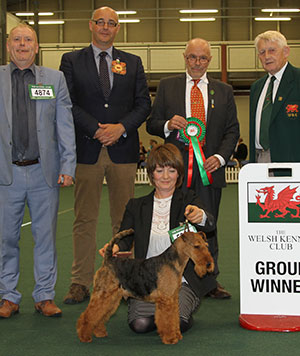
point(269, 226)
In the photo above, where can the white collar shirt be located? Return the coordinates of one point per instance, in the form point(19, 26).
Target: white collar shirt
point(203, 86)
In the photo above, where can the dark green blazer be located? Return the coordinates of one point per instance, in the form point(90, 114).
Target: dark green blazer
point(285, 121)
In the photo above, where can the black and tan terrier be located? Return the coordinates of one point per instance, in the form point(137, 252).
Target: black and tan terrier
point(157, 279)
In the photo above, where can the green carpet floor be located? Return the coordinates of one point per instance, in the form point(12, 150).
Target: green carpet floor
point(216, 330)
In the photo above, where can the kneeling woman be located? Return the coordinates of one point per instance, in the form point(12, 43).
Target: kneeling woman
point(151, 217)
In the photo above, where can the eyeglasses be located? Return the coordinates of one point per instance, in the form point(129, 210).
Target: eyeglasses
point(193, 59)
point(101, 23)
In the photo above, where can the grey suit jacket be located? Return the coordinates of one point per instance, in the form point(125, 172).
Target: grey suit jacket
point(222, 128)
point(55, 128)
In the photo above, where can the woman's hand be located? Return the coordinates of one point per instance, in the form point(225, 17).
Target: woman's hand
point(114, 250)
point(193, 214)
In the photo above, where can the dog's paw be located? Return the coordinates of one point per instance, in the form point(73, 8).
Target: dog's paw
point(100, 333)
point(171, 339)
point(85, 338)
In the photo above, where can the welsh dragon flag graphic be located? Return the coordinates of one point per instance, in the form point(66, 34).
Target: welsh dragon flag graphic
point(275, 202)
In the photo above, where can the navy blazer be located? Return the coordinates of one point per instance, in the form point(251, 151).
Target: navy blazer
point(222, 127)
point(129, 104)
point(138, 216)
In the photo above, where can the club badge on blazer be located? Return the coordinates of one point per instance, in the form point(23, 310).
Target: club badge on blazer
point(118, 67)
point(292, 111)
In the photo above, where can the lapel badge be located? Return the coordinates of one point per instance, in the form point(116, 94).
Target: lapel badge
point(118, 67)
point(212, 92)
point(280, 98)
point(292, 111)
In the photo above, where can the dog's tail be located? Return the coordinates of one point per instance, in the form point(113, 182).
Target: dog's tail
point(116, 239)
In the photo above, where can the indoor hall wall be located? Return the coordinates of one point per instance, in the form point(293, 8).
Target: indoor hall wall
point(162, 24)
point(48, 33)
point(76, 31)
point(289, 28)
point(237, 23)
point(146, 30)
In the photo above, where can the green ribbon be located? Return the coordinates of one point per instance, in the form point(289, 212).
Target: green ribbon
point(197, 147)
point(193, 134)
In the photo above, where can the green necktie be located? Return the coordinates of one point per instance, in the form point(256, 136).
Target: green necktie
point(266, 116)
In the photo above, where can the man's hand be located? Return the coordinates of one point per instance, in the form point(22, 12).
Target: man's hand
point(108, 134)
point(64, 180)
point(177, 122)
point(211, 164)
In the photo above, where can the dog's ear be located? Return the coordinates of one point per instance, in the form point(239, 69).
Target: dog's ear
point(185, 236)
point(203, 235)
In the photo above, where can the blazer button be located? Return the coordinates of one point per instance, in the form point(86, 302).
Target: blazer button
point(106, 105)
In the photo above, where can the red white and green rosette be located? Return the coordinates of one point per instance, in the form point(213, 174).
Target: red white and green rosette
point(193, 134)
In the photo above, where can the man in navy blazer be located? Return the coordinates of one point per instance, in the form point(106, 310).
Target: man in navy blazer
point(284, 125)
point(109, 104)
point(37, 156)
point(170, 110)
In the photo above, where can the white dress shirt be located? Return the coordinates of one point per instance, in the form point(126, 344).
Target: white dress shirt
point(203, 86)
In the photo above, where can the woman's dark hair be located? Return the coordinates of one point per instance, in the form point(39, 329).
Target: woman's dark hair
point(166, 155)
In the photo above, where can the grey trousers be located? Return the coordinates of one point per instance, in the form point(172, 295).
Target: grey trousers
point(188, 303)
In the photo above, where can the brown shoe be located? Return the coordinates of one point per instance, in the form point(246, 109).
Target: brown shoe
point(77, 294)
point(8, 308)
point(219, 293)
point(47, 308)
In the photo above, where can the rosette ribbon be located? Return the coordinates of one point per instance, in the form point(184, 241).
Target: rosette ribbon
point(193, 134)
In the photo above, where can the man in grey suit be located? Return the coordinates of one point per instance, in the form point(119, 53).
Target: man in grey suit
point(37, 156)
point(171, 108)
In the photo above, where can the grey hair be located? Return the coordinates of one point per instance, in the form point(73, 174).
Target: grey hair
point(272, 36)
point(23, 25)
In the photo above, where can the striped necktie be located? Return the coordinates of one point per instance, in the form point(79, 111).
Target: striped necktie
point(266, 116)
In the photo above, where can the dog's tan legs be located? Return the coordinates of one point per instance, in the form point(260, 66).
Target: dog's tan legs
point(88, 319)
point(109, 307)
point(101, 306)
point(167, 319)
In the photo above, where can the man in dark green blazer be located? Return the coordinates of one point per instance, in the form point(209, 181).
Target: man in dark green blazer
point(284, 126)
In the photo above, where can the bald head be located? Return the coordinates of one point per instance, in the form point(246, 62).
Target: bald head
point(104, 26)
point(105, 8)
point(197, 56)
point(197, 43)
